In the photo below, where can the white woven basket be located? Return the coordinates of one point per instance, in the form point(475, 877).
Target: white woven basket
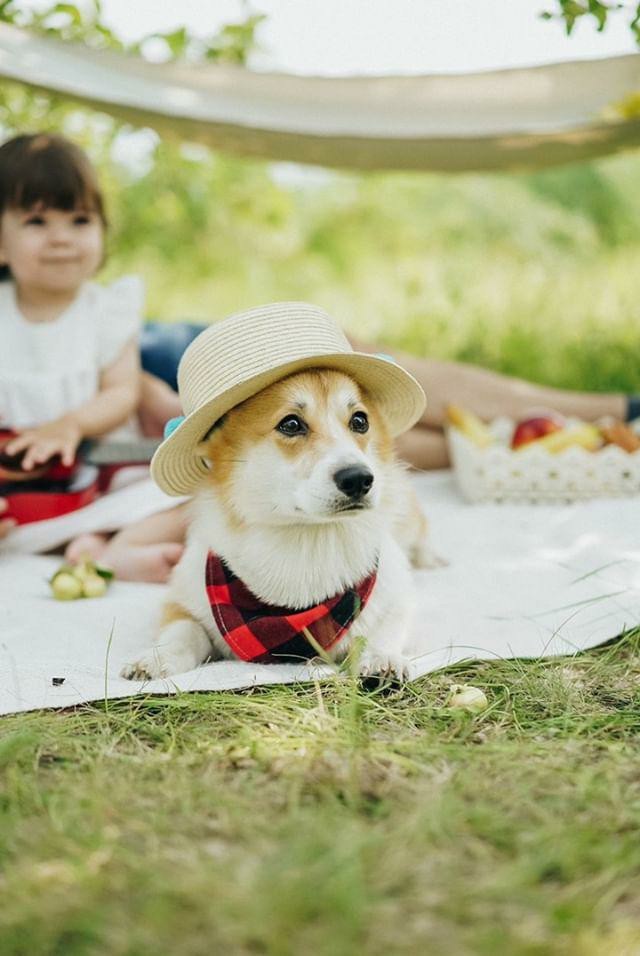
point(496, 473)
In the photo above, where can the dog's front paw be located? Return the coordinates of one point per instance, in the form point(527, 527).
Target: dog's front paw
point(383, 665)
point(150, 666)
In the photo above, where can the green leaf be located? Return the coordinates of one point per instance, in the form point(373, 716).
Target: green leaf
point(8, 11)
point(70, 9)
point(177, 41)
point(105, 573)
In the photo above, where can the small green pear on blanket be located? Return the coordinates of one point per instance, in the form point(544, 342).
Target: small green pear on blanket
point(83, 580)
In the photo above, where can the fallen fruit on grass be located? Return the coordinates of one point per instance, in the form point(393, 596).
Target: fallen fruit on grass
point(83, 580)
point(470, 425)
point(66, 586)
point(532, 429)
point(467, 697)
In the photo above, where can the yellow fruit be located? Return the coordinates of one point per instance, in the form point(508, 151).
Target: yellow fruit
point(94, 586)
point(584, 436)
point(84, 569)
point(467, 697)
point(470, 425)
point(65, 586)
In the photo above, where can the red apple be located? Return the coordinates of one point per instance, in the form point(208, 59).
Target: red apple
point(530, 429)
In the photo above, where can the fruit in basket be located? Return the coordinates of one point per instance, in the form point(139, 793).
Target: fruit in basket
point(617, 433)
point(532, 429)
point(470, 425)
point(583, 436)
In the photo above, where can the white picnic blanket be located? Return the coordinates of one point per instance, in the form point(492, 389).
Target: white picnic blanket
point(522, 581)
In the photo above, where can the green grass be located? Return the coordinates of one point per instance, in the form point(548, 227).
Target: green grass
point(325, 819)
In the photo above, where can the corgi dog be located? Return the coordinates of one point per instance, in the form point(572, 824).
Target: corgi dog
point(302, 501)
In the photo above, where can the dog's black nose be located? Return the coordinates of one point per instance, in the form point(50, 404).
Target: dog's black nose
point(354, 481)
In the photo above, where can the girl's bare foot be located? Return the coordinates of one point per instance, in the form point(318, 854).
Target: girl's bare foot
point(152, 563)
point(89, 546)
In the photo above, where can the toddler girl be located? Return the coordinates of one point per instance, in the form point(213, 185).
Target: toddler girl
point(69, 362)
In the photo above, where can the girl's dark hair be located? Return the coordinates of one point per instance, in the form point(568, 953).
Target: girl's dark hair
point(49, 170)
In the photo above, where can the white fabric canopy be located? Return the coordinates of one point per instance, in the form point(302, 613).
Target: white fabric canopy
point(507, 119)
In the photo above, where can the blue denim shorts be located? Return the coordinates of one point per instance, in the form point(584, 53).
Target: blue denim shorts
point(162, 345)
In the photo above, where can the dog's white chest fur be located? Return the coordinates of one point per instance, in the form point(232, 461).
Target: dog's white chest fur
point(298, 567)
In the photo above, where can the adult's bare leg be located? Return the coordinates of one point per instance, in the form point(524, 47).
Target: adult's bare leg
point(490, 394)
point(423, 448)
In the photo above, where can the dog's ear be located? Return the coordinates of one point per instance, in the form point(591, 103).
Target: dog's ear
point(204, 448)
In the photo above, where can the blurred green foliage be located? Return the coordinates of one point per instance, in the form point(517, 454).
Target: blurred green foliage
point(599, 12)
point(535, 275)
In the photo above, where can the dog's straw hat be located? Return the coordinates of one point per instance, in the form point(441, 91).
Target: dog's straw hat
point(234, 359)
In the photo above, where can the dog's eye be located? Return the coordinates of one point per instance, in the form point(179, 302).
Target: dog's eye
point(292, 425)
point(359, 422)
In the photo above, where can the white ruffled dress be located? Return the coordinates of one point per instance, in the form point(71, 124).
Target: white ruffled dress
point(48, 369)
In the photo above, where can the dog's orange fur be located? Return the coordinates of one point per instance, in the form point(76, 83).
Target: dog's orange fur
point(257, 418)
point(173, 612)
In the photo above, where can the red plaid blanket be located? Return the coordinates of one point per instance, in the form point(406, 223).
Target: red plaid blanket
point(263, 633)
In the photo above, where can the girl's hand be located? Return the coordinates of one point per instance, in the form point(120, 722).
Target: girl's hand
point(6, 524)
point(60, 437)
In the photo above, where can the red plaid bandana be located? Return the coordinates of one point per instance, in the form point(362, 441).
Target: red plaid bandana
point(263, 633)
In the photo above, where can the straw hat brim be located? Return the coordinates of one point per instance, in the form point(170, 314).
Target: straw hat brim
point(177, 468)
